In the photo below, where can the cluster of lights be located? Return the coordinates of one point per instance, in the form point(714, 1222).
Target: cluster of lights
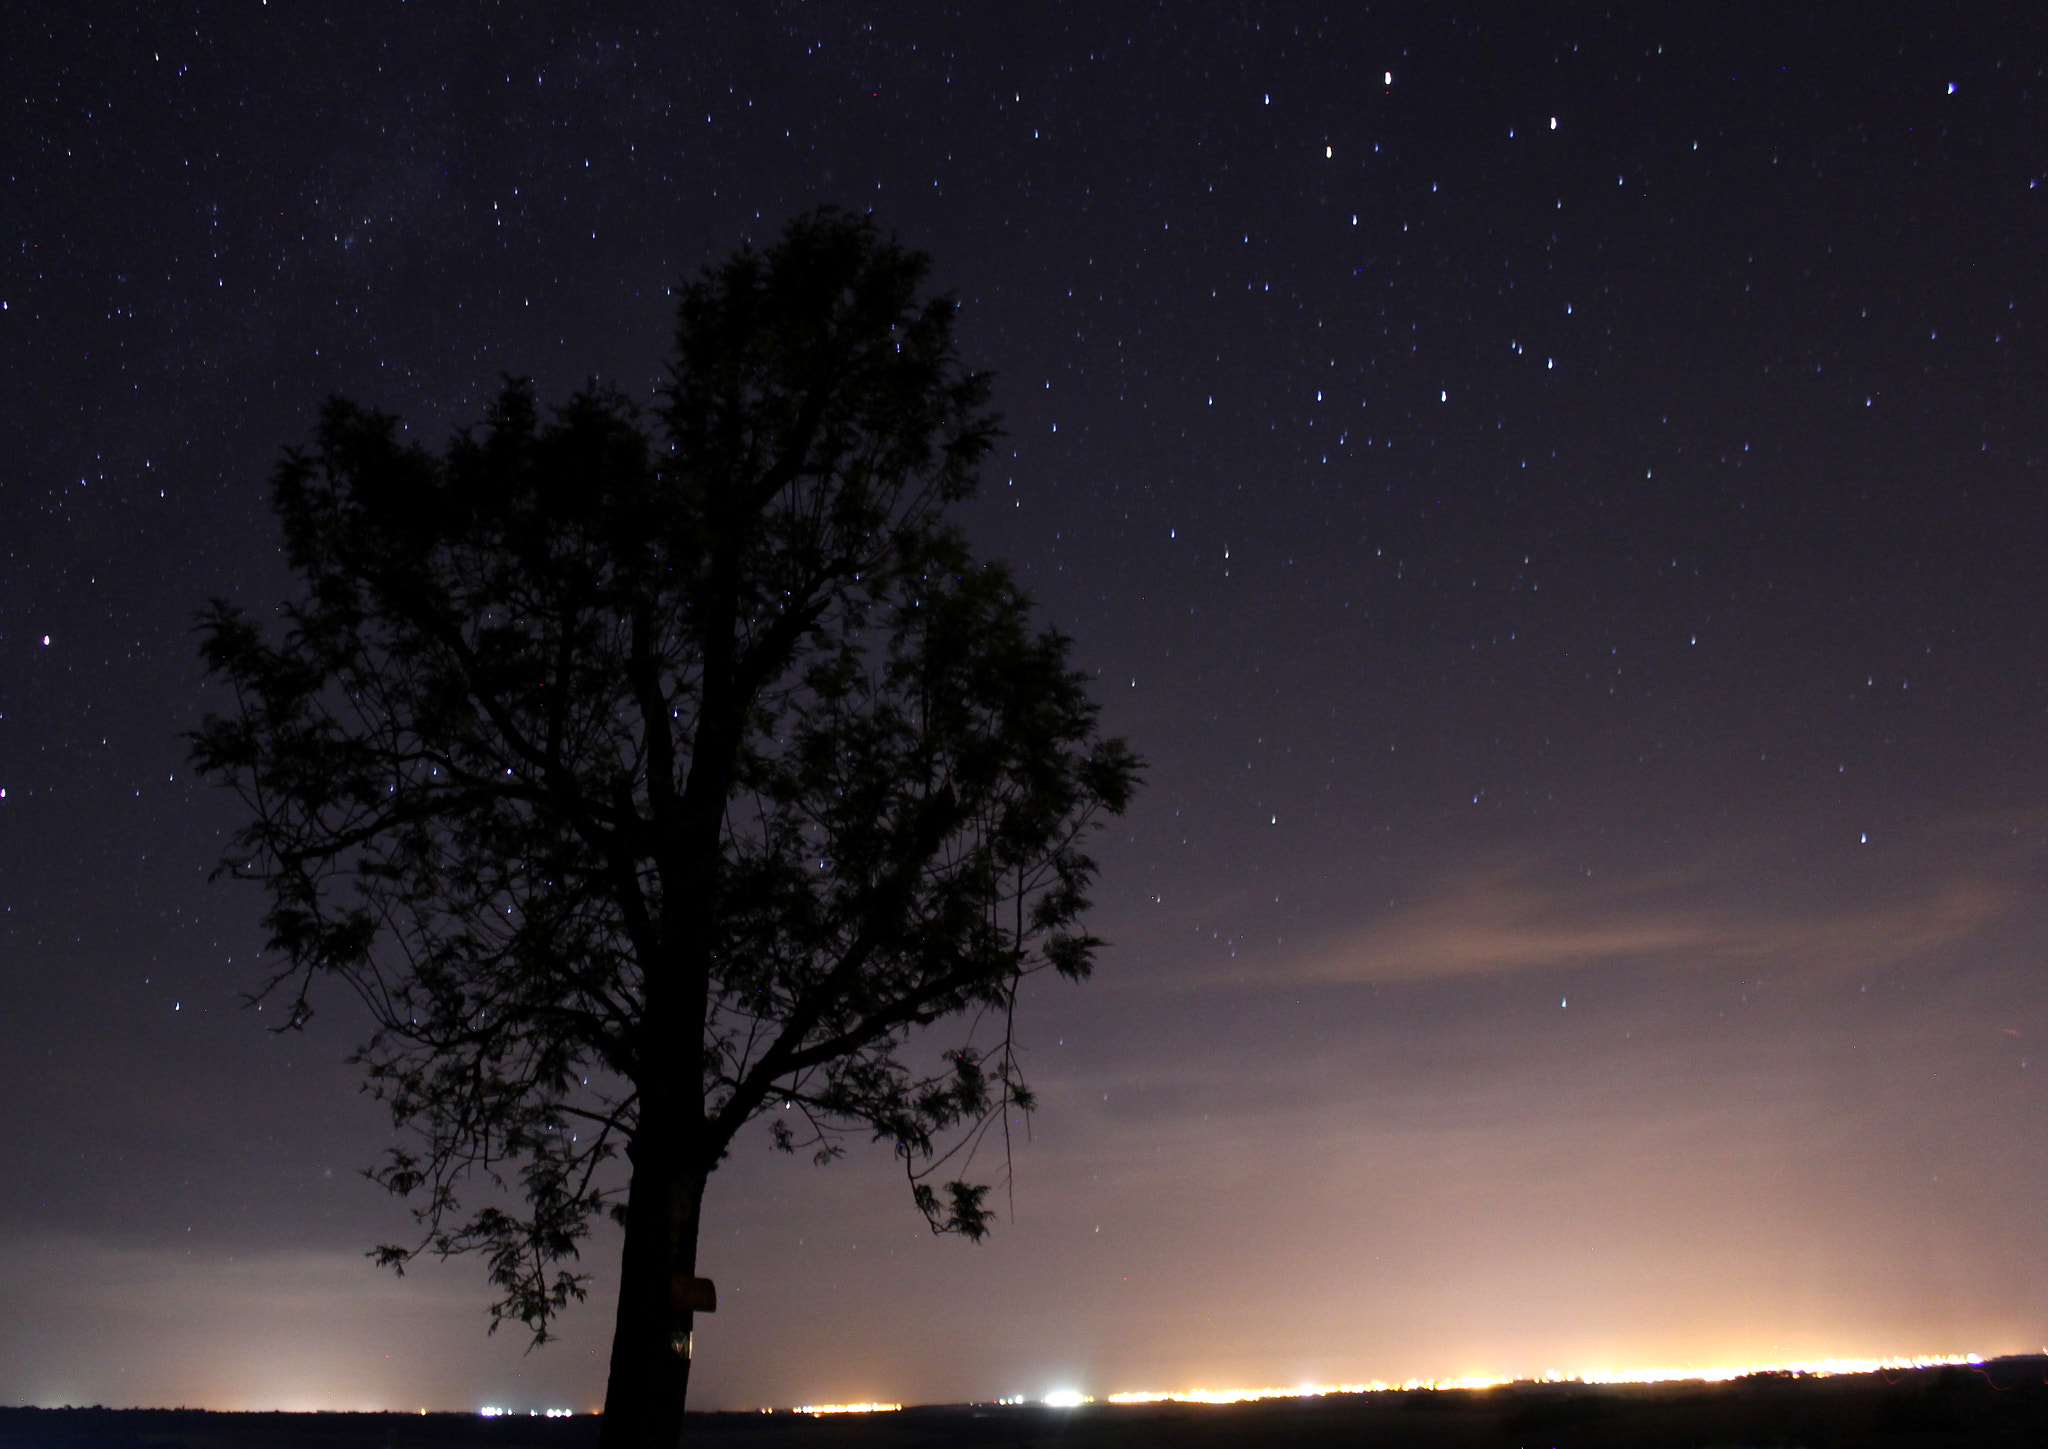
point(847, 1408)
point(493, 1411)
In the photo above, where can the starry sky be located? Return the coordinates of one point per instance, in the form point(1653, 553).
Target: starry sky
point(1556, 497)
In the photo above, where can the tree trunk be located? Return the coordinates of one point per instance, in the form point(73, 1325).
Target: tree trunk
point(650, 1367)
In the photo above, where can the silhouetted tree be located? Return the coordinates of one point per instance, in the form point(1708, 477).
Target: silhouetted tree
point(647, 780)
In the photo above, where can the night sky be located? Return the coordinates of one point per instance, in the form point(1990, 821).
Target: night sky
point(1557, 500)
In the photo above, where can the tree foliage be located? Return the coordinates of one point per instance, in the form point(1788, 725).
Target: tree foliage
point(649, 773)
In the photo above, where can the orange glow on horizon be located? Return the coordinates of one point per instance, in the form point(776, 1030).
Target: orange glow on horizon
point(846, 1408)
point(1718, 1373)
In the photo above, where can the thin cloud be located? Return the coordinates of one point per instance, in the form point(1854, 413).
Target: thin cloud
point(1518, 917)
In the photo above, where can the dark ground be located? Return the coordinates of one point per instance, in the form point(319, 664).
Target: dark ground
point(2004, 1402)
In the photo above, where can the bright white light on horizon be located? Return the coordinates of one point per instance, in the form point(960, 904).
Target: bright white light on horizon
point(499, 1411)
point(1066, 1399)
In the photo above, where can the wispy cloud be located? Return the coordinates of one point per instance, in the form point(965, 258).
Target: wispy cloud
point(1523, 914)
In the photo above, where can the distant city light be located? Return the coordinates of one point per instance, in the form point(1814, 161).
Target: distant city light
point(847, 1408)
point(1715, 1373)
point(1300, 1391)
point(498, 1411)
point(1820, 1368)
point(1718, 1373)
